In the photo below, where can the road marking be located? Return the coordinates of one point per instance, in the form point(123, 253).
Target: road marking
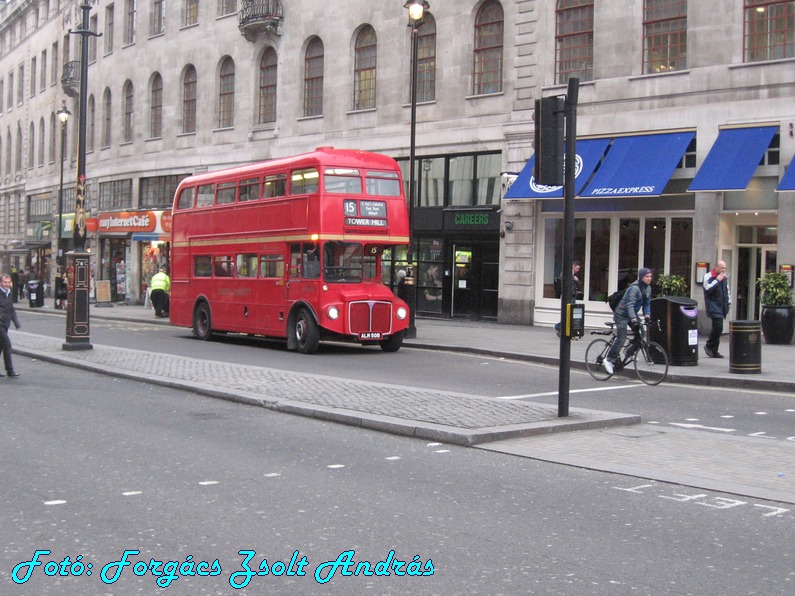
point(760, 435)
point(57, 502)
point(701, 426)
point(548, 393)
point(131, 493)
point(336, 466)
point(442, 451)
point(272, 475)
point(208, 482)
point(393, 458)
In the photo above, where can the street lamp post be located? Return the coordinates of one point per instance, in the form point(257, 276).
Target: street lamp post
point(417, 10)
point(63, 117)
point(78, 266)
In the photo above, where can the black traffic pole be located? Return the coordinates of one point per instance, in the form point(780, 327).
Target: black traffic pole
point(568, 241)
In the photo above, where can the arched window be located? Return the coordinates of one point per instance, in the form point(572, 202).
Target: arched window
point(31, 145)
point(90, 123)
point(53, 132)
point(18, 168)
point(487, 69)
point(364, 61)
point(313, 78)
point(156, 108)
point(574, 40)
point(42, 142)
point(189, 100)
point(226, 94)
point(106, 118)
point(9, 145)
point(129, 101)
point(426, 60)
point(267, 87)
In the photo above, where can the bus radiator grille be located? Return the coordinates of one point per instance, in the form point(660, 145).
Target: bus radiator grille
point(366, 317)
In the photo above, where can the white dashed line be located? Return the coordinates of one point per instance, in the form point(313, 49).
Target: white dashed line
point(272, 475)
point(208, 482)
point(57, 502)
point(131, 493)
point(335, 466)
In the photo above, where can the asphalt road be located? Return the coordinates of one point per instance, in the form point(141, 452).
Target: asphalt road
point(764, 415)
point(94, 466)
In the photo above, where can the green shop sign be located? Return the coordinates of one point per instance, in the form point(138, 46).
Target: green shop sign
point(470, 220)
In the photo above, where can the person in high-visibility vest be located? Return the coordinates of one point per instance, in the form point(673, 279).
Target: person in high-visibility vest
point(160, 285)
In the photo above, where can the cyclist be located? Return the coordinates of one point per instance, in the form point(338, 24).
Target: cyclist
point(635, 304)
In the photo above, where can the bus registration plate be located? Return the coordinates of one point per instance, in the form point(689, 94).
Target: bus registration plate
point(370, 335)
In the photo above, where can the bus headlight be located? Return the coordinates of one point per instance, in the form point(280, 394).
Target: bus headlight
point(402, 313)
point(333, 312)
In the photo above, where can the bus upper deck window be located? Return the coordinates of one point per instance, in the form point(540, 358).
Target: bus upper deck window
point(226, 193)
point(185, 200)
point(342, 181)
point(304, 181)
point(384, 184)
point(205, 195)
point(249, 190)
point(274, 186)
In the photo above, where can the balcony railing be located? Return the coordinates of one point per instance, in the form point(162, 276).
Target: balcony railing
point(260, 16)
point(70, 78)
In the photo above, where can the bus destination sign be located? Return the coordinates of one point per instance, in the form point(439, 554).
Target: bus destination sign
point(365, 213)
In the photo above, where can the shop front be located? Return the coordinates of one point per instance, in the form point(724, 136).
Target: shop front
point(132, 245)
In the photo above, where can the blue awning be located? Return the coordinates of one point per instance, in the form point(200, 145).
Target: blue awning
point(638, 166)
point(589, 153)
point(788, 179)
point(733, 158)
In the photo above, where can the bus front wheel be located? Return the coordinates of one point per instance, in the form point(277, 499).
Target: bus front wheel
point(393, 343)
point(307, 335)
point(202, 328)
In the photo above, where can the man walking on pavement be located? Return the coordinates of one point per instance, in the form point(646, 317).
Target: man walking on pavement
point(718, 301)
point(7, 314)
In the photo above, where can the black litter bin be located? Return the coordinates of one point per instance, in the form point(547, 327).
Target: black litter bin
point(35, 293)
point(745, 347)
point(678, 332)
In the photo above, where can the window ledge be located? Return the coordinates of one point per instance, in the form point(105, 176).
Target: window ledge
point(223, 128)
point(485, 95)
point(652, 75)
point(364, 111)
point(762, 63)
point(423, 103)
point(302, 118)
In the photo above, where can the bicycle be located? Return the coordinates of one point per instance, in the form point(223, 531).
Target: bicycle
point(649, 357)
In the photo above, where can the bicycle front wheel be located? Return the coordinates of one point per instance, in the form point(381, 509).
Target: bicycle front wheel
point(594, 359)
point(651, 363)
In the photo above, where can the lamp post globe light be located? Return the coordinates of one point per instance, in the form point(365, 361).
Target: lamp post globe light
point(417, 10)
point(63, 117)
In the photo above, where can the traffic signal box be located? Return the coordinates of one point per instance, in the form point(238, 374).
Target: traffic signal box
point(574, 325)
point(548, 143)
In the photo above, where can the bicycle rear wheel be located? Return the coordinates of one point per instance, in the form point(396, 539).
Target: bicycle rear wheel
point(651, 363)
point(594, 359)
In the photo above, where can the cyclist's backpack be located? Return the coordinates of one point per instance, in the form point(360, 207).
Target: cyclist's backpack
point(614, 298)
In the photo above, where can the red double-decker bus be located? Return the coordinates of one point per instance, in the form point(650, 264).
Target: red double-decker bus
point(291, 248)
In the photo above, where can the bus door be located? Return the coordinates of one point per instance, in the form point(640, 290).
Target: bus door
point(304, 272)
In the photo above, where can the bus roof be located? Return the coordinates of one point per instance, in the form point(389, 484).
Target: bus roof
point(320, 157)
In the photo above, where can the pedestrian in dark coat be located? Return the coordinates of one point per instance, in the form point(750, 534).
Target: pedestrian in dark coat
point(717, 300)
point(8, 315)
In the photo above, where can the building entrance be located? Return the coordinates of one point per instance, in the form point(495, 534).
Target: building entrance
point(474, 280)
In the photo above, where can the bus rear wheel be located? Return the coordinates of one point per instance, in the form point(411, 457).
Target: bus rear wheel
point(393, 343)
point(202, 327)
point(307, 335)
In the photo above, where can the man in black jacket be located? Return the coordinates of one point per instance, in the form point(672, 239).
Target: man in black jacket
point(718, 301)
point(7, 314)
